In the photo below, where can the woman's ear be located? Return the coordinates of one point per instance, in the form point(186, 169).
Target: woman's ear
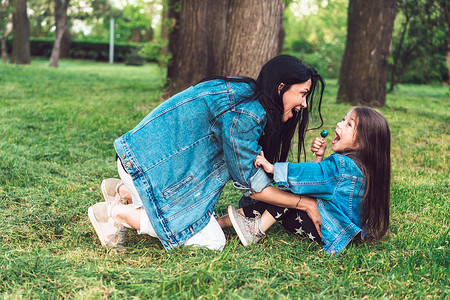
point(280, 88)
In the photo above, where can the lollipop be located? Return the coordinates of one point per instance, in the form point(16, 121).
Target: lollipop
point(324, 134)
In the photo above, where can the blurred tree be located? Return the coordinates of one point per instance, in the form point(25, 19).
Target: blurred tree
point(21, 34)
point(419, 42)
point(5, 26)
point(363, 74)
point(227, 38)
point(60, 22)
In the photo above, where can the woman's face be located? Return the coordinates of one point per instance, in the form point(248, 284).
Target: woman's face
point(294, 98)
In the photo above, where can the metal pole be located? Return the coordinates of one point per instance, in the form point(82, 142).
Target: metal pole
point(111, 40)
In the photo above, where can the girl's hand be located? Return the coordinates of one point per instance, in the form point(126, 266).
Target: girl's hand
point(261, 161)
point(318, 146)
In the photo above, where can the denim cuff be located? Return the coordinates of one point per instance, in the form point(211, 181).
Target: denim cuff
point(258, 182)
point(280, 174)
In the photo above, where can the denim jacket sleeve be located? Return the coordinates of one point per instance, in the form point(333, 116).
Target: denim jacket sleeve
point(238, 132)
point(318, 180)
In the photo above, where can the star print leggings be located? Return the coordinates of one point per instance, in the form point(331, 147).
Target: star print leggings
point(294, 220)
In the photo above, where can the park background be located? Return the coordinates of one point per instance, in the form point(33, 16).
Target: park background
point(58, 124)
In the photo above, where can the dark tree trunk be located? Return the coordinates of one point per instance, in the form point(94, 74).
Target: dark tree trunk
point(66, 42)
point(4, 49)
point(60, 22)
point(20, 53)
point(363, 74)
point(253, 35)
point(228, 38)
point(194, 40)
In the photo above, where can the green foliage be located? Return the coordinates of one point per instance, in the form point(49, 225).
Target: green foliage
point(57, 128)
point(134, 59)
point(419, 43)
point(316, 33)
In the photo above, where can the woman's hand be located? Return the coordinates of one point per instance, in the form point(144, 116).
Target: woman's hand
point(261, 161)
point(310, 206)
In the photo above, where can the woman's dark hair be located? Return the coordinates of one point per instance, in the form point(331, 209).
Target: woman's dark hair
point(276, 141)
point(374, 158)
point(277, 136)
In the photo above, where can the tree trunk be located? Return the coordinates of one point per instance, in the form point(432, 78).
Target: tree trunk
point(193, 39)
point(20, 53)
point(4, 50)
point(253, 33)
point(228, 38)
point(363, 74)
point(60, 22)
point(66, 42)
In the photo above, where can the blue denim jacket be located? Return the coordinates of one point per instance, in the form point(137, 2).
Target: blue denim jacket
point(338, 184)
point(182, 154)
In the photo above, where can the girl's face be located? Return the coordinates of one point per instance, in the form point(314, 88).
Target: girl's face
point(345, 139)
point(294, 98)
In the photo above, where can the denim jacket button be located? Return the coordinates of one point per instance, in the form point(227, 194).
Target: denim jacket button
point(123, 155)
point(129, 165)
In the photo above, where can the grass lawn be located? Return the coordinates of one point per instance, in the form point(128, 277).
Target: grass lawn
point(57, 128)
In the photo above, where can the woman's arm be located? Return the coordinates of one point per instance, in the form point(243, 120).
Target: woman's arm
point(277, 197)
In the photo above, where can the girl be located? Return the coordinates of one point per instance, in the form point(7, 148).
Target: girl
point(351, 186)
point(177, 160)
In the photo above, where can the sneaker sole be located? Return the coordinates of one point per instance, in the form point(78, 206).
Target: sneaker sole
point(96, 226)
point(105, 193)
point(236, 227)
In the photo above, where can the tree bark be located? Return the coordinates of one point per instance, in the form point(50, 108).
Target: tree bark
point(4, 50)
point(60, 22)
point(363, 74)
point(20, 53)
point(228, 38)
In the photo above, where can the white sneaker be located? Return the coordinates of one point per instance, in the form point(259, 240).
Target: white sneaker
point(110, 190)
point(248, 229)
point(110, 232)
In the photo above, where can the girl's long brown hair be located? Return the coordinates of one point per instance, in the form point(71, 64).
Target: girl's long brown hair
point(374, 158)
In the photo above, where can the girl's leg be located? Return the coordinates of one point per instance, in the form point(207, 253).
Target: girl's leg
point(295, 221)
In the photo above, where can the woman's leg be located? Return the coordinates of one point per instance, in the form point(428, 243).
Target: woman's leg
point(211, 236)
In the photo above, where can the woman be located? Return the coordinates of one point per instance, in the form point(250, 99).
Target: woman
point(177, 160)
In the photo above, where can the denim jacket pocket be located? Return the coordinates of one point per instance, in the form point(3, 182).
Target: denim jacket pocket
point(175, 187)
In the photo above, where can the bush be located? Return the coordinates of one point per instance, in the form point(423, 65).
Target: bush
point(134, 59)
point(86, 49)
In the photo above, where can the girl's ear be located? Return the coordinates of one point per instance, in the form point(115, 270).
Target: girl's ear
point(280, 87)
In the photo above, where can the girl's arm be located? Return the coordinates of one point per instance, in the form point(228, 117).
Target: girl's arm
point(277, 197)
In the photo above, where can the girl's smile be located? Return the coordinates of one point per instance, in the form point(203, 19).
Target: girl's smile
point(345, 139)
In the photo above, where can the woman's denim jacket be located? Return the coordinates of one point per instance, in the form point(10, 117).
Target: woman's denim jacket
point(338, 185)
point(182, 154)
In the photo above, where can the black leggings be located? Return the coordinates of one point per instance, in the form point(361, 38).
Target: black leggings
point(294, 220)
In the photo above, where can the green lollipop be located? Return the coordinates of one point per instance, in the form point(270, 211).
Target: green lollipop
point(324, 134)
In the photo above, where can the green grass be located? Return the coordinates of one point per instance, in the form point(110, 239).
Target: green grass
point(57, 128)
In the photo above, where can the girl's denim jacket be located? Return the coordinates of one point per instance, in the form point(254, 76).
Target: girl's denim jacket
point(338, 185)
point(182, 154)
